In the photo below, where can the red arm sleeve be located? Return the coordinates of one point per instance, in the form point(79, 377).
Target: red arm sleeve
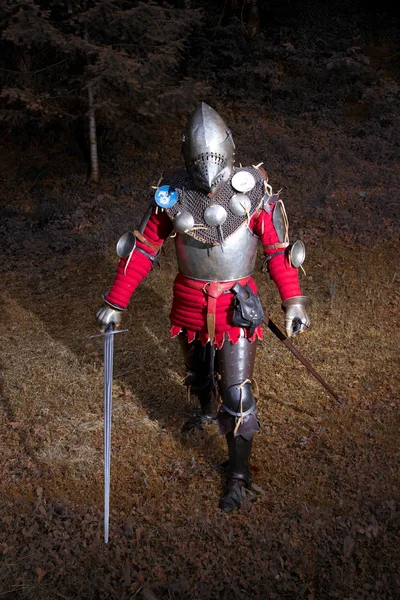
point(128, 277)
point(285, 276)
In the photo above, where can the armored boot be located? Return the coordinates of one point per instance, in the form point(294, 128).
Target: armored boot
point(239, 472)
point(237, 417)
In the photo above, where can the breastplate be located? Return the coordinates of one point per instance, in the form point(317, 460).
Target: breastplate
point(234, 260)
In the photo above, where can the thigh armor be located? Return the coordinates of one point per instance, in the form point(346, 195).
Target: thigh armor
point(238, 413)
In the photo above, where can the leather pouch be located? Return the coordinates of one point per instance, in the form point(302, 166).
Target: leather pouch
point(247, 309)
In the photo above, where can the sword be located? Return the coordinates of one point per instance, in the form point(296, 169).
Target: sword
point(108, 379)
point(285, 340)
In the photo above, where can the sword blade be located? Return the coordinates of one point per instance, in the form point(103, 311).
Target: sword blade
point(108, 379)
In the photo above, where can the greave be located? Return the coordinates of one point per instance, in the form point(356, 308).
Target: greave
point(239, 450)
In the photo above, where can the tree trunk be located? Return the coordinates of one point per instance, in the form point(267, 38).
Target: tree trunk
point(253, 18)
point(94, 163)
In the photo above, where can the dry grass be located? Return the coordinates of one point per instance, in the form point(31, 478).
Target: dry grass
point(322, 521)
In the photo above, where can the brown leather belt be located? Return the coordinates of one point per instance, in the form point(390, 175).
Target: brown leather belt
point(213, 290)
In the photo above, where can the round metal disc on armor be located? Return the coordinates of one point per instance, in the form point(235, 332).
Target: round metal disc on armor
point(240, 204)
point(243, 181)
point(215, 215)
point(166, 196)
point(126, 244)
point(297, 254)
point(183, 222)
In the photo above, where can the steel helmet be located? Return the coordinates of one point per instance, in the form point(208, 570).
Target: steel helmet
point(208, 149)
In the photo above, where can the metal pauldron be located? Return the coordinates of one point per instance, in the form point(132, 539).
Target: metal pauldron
point(126, 244)
point(295, 252)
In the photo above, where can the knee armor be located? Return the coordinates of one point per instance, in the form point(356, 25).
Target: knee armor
point(238, 412)
point(238, 400)
point(203, 387)
point(196, 381)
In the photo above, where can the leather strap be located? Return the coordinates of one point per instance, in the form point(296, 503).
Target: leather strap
point(271, 256)
point(153, 259)
point(144, 240)
point(276, 246)
point(213, 290)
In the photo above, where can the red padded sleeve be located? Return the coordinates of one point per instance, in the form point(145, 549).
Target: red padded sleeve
point(285, 276)
point(129, 276)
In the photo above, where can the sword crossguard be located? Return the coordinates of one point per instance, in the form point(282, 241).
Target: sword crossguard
point(107, 332)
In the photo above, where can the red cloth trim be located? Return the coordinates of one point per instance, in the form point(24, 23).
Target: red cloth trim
point(189, 314)
point(232, 335)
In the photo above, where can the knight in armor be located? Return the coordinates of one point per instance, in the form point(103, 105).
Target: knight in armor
point(218, 214)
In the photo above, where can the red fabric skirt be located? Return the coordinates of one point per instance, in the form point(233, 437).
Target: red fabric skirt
point(189, 314)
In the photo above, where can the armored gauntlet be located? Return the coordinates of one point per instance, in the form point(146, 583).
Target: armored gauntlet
point(108, 314)
point(296, 317)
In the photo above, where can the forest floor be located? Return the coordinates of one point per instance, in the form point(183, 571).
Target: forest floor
point(322, 519)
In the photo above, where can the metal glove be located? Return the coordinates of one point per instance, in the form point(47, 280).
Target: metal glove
point(106, 314)
point(296, 317)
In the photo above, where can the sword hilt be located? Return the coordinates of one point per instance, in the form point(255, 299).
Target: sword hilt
point(110, 327)
point(297, 323)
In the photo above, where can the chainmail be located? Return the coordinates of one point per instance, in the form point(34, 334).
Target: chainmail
point(195, 201)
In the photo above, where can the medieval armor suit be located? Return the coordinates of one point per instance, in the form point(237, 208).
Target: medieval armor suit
point(217, 214)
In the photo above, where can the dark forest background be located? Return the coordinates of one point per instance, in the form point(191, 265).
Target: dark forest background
point(139, 69)
point(148, 63)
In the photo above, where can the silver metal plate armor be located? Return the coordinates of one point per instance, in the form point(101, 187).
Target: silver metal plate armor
point(278, 222)
point(234, 260)
point(297, 254)
point(126, 244)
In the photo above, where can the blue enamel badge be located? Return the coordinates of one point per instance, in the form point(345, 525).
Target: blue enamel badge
point(166, 196)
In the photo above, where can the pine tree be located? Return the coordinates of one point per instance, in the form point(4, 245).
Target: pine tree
point(131, 55)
